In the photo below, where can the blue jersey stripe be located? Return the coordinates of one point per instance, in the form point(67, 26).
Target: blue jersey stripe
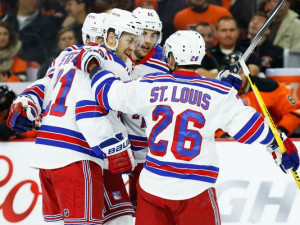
point(31, 91)
point(268, 139)
point(180, 176)
point(138, 138)
point(65, 145)
point(99, 75)
point(61, 130)
point(248, 126)
point(86, 103)
point(256, 134)
point(86, 115)
point(183, 165)
point(137, 148)
point(157, 66)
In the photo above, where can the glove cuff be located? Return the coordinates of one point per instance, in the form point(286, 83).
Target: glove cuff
point(115, 145)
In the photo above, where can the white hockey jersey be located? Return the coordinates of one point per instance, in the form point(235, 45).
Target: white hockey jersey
point(72, 125)
point(136, 124)
point(182, 112)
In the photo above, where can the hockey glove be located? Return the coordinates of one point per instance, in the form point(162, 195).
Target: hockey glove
point(23, 112)
point(89, 57)
point(231, 78)
point(288, 159)
point(120, 158)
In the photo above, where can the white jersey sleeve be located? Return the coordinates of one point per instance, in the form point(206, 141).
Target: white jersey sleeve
point(73, 125)
point(135, 123)
point(182, 112)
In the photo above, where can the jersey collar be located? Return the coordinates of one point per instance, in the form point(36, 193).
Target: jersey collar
point(186, 74)
point(145, 59)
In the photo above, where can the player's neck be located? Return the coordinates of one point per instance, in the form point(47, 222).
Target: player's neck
point(136, 57)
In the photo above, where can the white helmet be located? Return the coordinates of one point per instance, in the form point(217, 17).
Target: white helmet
point(187, 47)
point(92, 26)
point(150, 20)
point(121, 21)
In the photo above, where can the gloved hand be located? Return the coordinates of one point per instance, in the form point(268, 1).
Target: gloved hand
point(287, 160)
point(22, 114)
point(89, 57)
point(231, 61)
point(231, 78)
point(120, 157)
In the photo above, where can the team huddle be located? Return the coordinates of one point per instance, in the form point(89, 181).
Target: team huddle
point(122, 104)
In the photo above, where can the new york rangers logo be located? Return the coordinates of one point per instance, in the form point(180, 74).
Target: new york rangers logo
point(66, 212)
point(117, 195)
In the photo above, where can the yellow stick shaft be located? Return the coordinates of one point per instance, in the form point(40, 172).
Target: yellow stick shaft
point(267, 116)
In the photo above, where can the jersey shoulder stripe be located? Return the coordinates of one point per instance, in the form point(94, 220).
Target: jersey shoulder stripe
point(156, 65)
point(212, 83)
point(73, 47)
point(182, 171)
point(112, 57)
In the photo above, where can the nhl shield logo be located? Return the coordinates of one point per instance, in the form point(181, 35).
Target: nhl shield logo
point(66, 212)
point(117, 195)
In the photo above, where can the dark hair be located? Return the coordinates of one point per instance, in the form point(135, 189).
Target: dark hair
point(64, 30)
point(13, 35)
point(226, 18)
point(261, 14)
point(6, 97)
point(205, 24)
point(86, 2)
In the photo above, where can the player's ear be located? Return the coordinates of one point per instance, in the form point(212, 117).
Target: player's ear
point(171, 62)
point(111, 40)
point(87, 41)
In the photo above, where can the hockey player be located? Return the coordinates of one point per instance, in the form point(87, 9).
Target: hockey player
point(74, 136)
point(117, 206)
point(121, 30)
point(148, 57)
point(182, 111)
point(144, 60)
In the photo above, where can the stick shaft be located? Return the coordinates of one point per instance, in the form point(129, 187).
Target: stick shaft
point(267, 115)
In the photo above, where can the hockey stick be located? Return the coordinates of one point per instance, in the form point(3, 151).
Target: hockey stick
point(263, 107)
point(267, 115)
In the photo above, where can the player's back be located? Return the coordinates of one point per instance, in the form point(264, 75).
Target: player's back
point(182, 113)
